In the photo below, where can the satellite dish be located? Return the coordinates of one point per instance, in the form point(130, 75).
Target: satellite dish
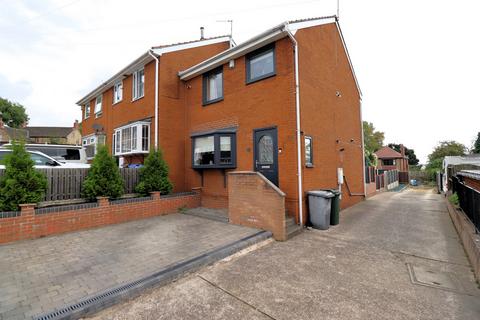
point(97, 127)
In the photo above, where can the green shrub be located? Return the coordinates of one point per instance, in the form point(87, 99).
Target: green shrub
point(154, 175)
point(454, 199)
point(21, 183)
point(103, 179)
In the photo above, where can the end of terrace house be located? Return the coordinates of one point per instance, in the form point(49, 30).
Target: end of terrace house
point(285, 103)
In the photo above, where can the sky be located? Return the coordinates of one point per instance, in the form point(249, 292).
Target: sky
point(417, 62)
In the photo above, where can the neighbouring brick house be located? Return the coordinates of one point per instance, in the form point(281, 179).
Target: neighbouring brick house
point(389, 159)
point(55, 135)
point(8, 134)
point(285, 103)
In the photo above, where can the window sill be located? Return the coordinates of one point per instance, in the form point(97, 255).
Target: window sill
point(309, 165)
point(214, 166)
point(115, 103)
point(98, 115)
point(265, 76)
point(136, 99)
point(206, 103)
point(120, 154)
point(86, 118)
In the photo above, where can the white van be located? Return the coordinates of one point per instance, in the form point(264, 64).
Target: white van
point(63, 153)
point(42, 161)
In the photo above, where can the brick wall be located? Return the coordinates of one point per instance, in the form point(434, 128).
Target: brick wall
point(255, 202)
point(34, 223)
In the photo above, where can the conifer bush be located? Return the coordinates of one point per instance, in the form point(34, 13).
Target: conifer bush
point(21, 183)
point(154, 175)
point(103, 179)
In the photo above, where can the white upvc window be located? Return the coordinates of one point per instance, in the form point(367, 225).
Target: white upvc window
point(138, 84)
point(91, 142)
point(132, 139)
point(98, 106)
point(87, 110)
point(117, 92)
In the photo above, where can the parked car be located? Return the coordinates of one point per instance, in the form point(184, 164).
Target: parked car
point(61, 152)
point(42, 161)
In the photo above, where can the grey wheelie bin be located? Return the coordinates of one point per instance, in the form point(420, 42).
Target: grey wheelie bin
point(319, 204)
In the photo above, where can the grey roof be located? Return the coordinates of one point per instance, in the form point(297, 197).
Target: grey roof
point(16, 134)
point(474, 174)
point(49, 132)
point(466, 159)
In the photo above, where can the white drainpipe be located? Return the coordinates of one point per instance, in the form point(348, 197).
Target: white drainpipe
point(156, 98)
point(297, 110)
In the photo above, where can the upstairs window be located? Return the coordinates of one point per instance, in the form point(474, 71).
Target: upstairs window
point(388, 162)
point(117, 92)
point(214, 151)
point(308, 151)
point(260, 64)
point(138, 84)
point(213, 86)
point(87, 110)
point(98, 106)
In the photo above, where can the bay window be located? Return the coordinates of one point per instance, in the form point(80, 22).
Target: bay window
point(216, 150)
point(129, 141)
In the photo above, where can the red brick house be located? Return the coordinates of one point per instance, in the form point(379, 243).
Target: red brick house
point(389, 159)
point(285, 103)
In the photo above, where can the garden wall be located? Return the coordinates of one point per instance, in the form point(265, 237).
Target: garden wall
point(31, 223)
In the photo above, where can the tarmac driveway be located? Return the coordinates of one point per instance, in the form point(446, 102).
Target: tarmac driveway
point(394, 256)
point(40, 275)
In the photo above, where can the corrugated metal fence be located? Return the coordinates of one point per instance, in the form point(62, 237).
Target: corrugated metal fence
point(64, 184)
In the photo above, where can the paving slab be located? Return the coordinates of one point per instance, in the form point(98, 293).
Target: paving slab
point(358, 270)
point(43, 274)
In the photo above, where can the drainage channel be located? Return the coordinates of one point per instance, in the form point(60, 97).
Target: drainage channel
point(102, 300)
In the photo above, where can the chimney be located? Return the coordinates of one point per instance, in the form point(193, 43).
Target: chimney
point(402, 150)
point(202, 36)
point(76, 125)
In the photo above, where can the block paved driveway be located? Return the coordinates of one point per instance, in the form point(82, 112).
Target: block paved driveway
point(356, 270)
point(40, 275)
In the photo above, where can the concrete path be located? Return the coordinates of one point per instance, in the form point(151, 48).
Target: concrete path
point(395, 256)
point(40, 275)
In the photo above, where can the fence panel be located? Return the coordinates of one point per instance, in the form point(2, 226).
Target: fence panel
point(65, 184)
point(469, 200)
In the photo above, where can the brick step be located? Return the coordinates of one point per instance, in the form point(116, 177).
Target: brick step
point(292, 228)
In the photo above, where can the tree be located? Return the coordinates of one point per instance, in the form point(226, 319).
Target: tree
point(476, 144)
point(447, 148)
point(21, 183)
point(154, 175)
point(103, 179)
point(12, 113)
point(373, 141)
point(410, 153)
point(443, 149)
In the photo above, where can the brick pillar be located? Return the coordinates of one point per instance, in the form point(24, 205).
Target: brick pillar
point(27, 209)
point(103, 201)
point(155, 195)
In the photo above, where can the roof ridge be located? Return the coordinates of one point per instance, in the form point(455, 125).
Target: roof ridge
point(311, 19)
point(187, 42)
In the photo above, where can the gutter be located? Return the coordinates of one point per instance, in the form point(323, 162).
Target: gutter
point(150, 52)
point(298, 133)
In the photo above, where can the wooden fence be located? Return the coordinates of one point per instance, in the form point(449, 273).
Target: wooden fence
point(64, 184)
